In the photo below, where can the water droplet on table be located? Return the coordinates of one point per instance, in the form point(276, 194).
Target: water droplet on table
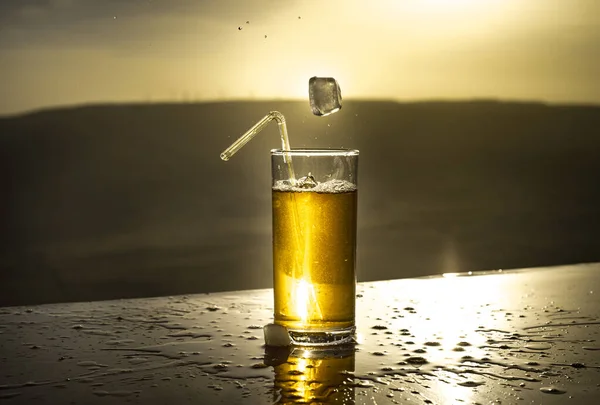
point(552, 390)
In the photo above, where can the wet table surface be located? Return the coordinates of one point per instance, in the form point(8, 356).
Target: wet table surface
point(527, 336)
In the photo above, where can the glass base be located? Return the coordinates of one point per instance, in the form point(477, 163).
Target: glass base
point(321, 337)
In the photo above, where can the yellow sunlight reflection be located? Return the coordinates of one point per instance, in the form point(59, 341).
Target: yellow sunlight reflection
point(451, 393)
point(454, 309)
point(450, 312)
point(301, 299)
point(301, 364)
point(315, 376)
point(304, 297)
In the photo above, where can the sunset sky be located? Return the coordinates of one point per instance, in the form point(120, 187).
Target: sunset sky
point(57, 52)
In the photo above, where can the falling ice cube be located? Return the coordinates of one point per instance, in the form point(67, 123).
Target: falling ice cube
point(276, 335)
point(325, 95)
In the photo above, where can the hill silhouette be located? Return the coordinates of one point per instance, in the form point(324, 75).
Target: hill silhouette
point(113, 201)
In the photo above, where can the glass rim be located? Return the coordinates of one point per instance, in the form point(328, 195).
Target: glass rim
point(315, 152)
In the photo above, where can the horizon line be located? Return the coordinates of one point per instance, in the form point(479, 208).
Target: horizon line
point(438, 100)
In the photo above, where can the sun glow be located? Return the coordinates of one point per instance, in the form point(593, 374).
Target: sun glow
point(456, 3)
point(307, 306)
point(458, 6)
point(301, 300)
point(451, 310)
point(422, 19)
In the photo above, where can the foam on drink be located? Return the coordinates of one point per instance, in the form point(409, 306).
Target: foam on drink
point(331, 186)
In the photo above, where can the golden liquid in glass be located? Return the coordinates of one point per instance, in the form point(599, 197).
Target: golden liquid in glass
point(314, 254)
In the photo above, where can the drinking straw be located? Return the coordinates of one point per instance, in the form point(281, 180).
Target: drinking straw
point(305, 285)
point(256, 128)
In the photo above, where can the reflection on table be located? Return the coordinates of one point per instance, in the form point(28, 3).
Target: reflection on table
point(310, 375)
point(529, 336)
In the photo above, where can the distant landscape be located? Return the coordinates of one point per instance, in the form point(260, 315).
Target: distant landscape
point(111, 201)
